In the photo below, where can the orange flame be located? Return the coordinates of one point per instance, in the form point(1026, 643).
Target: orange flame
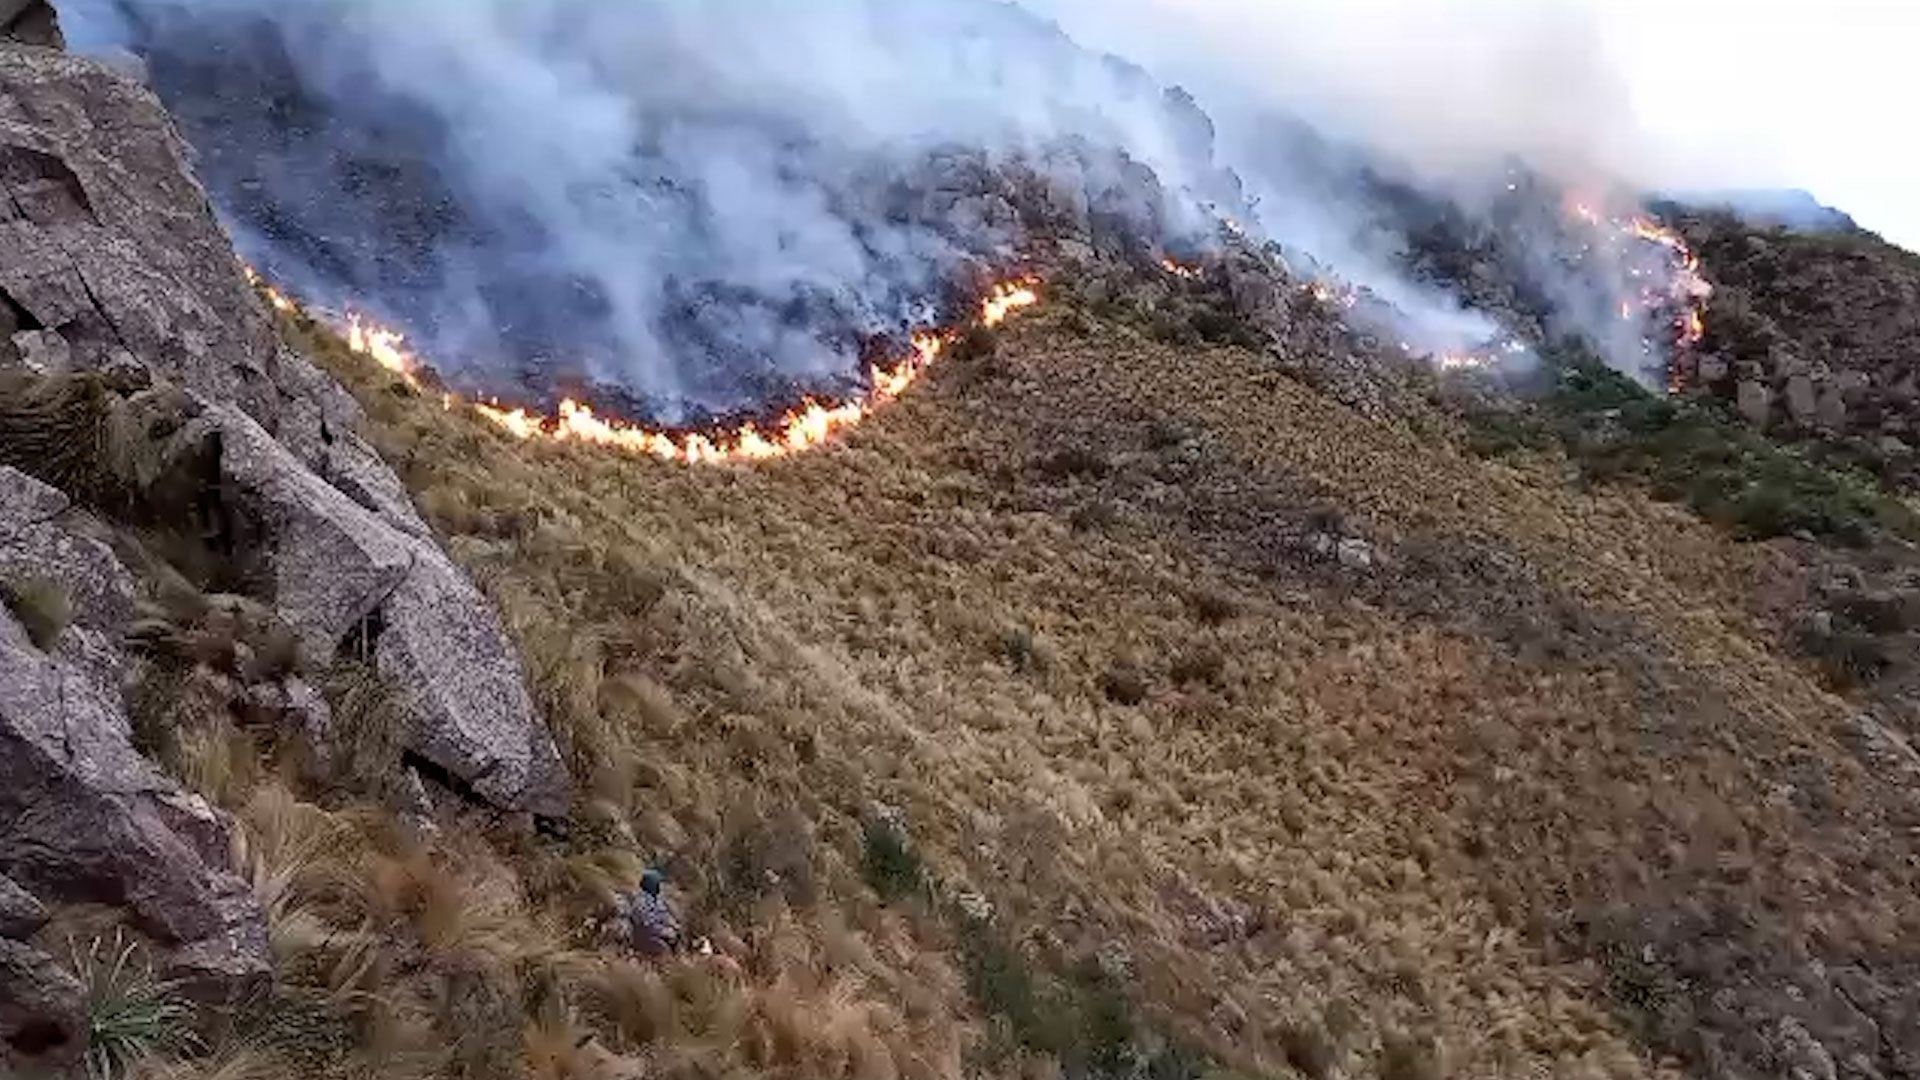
point(804, 427)
point(280, 301)
point(386, 347)
point(1688, 290)
point(1187, 272)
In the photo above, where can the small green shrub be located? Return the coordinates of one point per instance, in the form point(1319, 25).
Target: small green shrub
point(888, 862)
point(1612, 429)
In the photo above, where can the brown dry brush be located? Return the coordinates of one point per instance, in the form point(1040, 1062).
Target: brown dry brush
point(1308, 819)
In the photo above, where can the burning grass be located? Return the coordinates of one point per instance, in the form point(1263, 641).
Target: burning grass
point(810, 424)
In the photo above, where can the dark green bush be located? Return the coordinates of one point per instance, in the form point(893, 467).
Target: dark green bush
point(889, 864)
point(1613, 429)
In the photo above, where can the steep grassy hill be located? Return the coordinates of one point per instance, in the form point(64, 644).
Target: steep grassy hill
point(1116, 708)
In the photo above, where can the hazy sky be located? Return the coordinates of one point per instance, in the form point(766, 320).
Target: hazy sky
point(1818, 94)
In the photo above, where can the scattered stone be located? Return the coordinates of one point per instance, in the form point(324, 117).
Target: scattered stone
point(1755, 402)
point(1802, 404)
point(974, 906)
point(308, 713)
point(44, 352)
point(43, 1015)
point(1355, 554)
point(1832, 409)
point(1115, 961)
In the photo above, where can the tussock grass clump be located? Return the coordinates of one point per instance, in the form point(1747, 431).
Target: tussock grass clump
point(42, 607)
point(134, 1017)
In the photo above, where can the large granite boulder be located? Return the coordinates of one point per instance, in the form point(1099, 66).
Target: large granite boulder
point(84, 818)
point(342, 573)
point(111, 260)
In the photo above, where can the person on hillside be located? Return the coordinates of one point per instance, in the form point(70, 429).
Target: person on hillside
point(652, 928)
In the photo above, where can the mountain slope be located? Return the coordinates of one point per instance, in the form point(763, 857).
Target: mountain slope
point(1353, 750)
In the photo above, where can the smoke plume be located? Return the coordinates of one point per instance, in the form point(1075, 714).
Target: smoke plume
point(705, 202)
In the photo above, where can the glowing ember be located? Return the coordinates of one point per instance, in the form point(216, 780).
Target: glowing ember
point(1179, 271)
point(280, 301)
point(1687, 291)
point(386, 347)
point(805, 426)
point(1005, 300)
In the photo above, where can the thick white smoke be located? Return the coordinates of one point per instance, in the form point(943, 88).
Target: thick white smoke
point(696, 196)
point(704, 200)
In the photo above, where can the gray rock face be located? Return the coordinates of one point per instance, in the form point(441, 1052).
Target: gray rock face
point(339, 570)
point(332, 562)
point(20, 913)
point(1755, 403)
point(85, 818)
point(30, 22)
point(1802, 402)
point(110, 247)
point(40, 539)
point(43, 1016)
point(439, 638)
point(113, 260)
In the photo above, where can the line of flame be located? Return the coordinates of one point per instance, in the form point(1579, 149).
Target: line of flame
point(807, 425)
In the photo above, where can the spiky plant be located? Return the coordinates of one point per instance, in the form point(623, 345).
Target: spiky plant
point(133, 1015)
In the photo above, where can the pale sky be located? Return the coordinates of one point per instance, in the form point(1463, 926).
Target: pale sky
point(1814, 94)
point(1820, 94)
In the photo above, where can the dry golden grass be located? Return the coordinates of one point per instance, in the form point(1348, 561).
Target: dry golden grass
point(1399, 823)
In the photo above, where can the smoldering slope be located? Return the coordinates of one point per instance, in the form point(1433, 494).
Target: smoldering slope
point(699, 201)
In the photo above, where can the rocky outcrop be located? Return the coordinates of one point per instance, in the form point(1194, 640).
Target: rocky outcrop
point(340, 570)
point(30, 22)
point(20, 913)
point(111, 261)
point(438, 638)
point(1824, 326)
point(43, 1017)
point(83, 816)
